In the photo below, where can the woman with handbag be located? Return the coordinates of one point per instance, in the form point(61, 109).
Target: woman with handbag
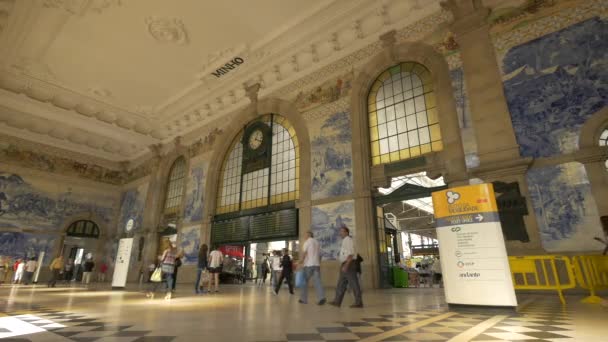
point(202, 266)
point(167, 265)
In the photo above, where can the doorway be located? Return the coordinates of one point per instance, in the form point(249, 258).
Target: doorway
point(79, 245)
point(407, 241)
point(242, 260)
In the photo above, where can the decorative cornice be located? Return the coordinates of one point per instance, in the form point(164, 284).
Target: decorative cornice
point(81, 7)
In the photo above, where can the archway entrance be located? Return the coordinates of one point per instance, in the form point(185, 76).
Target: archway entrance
point(255, 203)
point(407, 241)
point(80, 244)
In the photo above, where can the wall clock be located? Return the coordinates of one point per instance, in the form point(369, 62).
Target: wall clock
point(256, 139)
point(257, 143)
point(129, 225)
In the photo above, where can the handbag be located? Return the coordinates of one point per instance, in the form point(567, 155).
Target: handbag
point(157, 276)
point(300, 279)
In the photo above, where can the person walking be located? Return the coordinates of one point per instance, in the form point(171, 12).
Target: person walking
point(264, 269)
point(103, 269)
point(18, 268)
point(286, 273)
point(203, 263)
point(275, 267)
point(56, 268)
point(167, 263)
point(87, 271)
point(311, 260)
point(3, 268)
point(68, 272)
point(178, 264)
point(215, 268)
point(30, 268)
point(348, 271)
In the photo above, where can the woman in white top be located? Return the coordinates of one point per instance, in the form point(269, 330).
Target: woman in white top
point(275, 266)
point(215, 268)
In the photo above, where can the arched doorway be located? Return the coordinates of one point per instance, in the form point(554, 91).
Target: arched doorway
point(257, 191)
point(80, 243)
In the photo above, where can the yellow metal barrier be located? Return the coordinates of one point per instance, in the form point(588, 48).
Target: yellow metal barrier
point(591, 274)
point(540, 272)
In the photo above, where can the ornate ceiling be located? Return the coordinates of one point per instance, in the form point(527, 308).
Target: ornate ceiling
point(109, 78)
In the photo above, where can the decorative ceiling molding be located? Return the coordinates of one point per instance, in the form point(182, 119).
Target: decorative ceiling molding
point(6, 6)
point(167, 30)
point(34, 69)
point(52, 151)
point(86, 106)
point(332, 37)
point(82, 7)
point(283, 62)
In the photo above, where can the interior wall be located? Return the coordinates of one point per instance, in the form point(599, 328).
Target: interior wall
point(37, 207)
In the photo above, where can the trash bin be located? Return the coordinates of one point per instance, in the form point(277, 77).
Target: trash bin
point(400, 278)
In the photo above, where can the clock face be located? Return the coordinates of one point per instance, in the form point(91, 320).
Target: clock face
point(255, 139)
point(129, 225)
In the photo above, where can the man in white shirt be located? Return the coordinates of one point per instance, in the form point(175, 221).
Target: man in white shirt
point(275, 267)
point(215, 268)
point(311, 260)
point(348, 271)
point(30, 268)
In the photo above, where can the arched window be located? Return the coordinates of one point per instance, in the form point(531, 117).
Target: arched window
point(175, 186)
point(266, 179)
point(83, 228)
point(604, 142)
point(403, 118)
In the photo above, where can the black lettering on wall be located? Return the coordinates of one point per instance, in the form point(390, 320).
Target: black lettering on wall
point(226, 68)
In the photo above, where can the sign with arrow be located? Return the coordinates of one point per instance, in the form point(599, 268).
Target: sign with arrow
point(474, 257)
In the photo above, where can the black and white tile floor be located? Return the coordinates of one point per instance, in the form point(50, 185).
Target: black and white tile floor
point(542, 322)
point(71, 327)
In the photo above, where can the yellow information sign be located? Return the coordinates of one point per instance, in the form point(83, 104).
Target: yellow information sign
point(465, 200)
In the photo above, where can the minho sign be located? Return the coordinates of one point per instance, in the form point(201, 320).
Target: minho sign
point(473, 254)
point(226, 68)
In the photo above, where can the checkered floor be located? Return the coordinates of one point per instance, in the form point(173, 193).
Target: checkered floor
point(70, 326)
point(542, 322)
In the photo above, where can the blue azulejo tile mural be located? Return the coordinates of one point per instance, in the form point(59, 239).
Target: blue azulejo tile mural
point(45, 205)
point(565, 208)
point(553, 84)
point(331, 156)
point(195, 191)
point(132, 207)
point(327, 219)
point(189, 243)
point(26, 245)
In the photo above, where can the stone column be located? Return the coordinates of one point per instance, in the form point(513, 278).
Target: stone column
point(598, 179)
point(491, 118)
point(151, 211)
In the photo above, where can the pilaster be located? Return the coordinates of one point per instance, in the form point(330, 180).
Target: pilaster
point(491, 119)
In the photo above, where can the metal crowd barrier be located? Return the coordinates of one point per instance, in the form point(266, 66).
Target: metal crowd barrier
point(591, 274)
point(542, 272)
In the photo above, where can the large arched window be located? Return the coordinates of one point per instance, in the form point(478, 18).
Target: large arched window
point(604, 142)
point(83, 228)
point(261, 182)
point(403, 117)
point(175, 186)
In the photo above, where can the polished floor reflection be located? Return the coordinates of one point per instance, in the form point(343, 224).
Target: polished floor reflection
point(248, 313)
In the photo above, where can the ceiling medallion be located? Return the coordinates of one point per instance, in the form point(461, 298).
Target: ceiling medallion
point(81, 7)
point(167, 30)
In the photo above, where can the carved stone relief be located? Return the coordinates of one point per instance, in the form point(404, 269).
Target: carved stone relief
point(167, 30)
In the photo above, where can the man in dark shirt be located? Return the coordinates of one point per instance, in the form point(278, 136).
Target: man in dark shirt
point(87, 271)
point(286, 272)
